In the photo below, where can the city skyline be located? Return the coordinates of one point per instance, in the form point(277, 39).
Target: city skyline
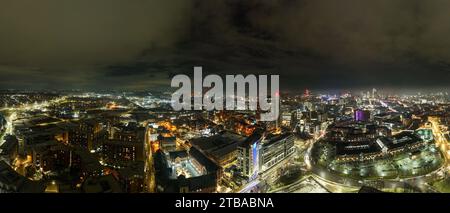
point(224, 96)
point(92, 142)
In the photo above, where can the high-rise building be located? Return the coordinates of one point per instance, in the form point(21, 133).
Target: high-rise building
point(274, 149)
point(87, 133)
point(248, 154)
point(362, 115)
point(120, 153)
point(259, 153)
point(126, 145)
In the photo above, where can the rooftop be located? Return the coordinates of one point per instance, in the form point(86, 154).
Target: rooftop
point(103, 184)
point(219, 144)
point(15, 182)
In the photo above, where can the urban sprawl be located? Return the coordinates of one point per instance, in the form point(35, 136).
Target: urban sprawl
point(133, 142)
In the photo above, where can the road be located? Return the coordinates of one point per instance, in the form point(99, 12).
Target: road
point(9, 127)
point(439, 137)
point(250, 187)
point(290, 187)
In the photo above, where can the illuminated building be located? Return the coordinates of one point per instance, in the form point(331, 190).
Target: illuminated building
point(87, 133)
point(355, 131)
point(362, 115)
point(118, 153)
point(312, 127)
point(425, 134)
point(87, 163)
point(167, 143)
point(286, 119)
point(126, 145)
point(52, 156)
point(240, 125)
point(130, 133)
point(222, 147)
point(183, 171)
point(379, 148)
point(56, 157)
point(274, 149)
point(248, 155)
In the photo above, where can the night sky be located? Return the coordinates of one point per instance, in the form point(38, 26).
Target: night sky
point(141, 44)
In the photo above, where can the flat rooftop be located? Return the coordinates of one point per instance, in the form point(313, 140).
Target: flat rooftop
point(370, 146)
point(354, 148)
point(402, 139)
point(185, 168)
point(218, 145)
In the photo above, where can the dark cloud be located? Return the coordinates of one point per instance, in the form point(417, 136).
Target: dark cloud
point(51, 33)
point(310, 43)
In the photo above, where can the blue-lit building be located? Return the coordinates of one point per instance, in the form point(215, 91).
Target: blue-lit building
point(260, 153)
point(248, 155)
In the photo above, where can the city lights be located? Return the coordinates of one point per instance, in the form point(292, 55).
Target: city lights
point(315, 146)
